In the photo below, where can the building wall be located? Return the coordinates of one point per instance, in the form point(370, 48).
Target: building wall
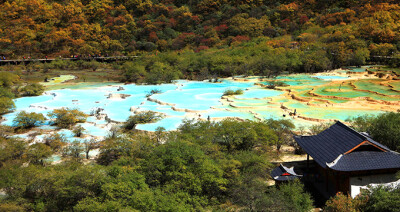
point(361, 182)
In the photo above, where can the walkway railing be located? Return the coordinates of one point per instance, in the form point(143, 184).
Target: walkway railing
point(48, 60)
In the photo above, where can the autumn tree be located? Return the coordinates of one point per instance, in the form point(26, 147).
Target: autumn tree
point(66, 117)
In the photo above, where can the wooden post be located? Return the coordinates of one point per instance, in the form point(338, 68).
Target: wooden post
point(327, 180)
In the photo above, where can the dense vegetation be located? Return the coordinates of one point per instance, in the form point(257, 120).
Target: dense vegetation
point(205, 165)
point(384, 128)
point(325, 34)
point(375, 200)
point(202, 166)
point(11, 86)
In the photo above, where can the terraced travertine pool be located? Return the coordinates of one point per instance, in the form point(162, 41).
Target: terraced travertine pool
point(316, 98)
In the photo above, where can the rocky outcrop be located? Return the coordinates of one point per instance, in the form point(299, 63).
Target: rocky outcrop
point(118, 96)
point(159, 102)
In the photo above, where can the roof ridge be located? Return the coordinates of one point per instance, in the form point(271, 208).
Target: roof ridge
point(352, 130)
point(367, 138)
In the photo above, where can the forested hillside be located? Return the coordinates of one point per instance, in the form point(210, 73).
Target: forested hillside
point(327, 33)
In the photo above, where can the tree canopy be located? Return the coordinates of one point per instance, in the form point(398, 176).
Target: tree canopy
point(327, 33)
point(384, 128)
point(67, 117)
point(28, 120)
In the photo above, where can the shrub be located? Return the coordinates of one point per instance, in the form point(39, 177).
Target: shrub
point(6, 105)
point(154, 91)
point(73, 150)
point(93, 65)
point(318, 128)
point(28, 120)
point(38, 152)
point(66, 117)
point(273, 84)
point(231, 92)
point(55, 141)
point(61, 64)
point(142, 118)
point(33, 89)
point(342, 202)
point(78, 131)
point(383, 199)
point(384, 128)
point(296, 197)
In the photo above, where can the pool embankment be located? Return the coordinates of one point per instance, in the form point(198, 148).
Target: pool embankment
point(391, 87)
point(185, 110)
point(256, 116)
point(246, 107)
point(226, 98)
point(160, 102)
point(357, 73)
point(312, 93)
point(315, 119)
point(374, 92)
point(301, 99)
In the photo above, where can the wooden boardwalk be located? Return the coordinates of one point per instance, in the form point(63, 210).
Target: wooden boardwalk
point(44, 60)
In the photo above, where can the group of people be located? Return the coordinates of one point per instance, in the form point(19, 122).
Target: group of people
point(72, 56)
point(89, 56)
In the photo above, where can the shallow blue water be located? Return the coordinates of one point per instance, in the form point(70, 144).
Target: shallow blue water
point(200, 97)
point(341, 115)
point(66, 133)
point(356, 69)
point(260, 93)
point(47, 127)
point(93, 130)
point(166, 109)
point(191, 95)
point(300, 80)
point(190, 99)
point(95, 120)
point(53, 158)
point(327, 77)
point(170, 123)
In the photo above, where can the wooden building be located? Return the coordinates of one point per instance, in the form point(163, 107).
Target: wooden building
point(347, 161)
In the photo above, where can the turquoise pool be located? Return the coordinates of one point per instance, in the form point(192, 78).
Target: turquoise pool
point(185, 99)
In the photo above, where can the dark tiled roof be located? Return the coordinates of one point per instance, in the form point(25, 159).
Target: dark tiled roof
point(280, 170)
point(367, 160)
point(332, 142)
